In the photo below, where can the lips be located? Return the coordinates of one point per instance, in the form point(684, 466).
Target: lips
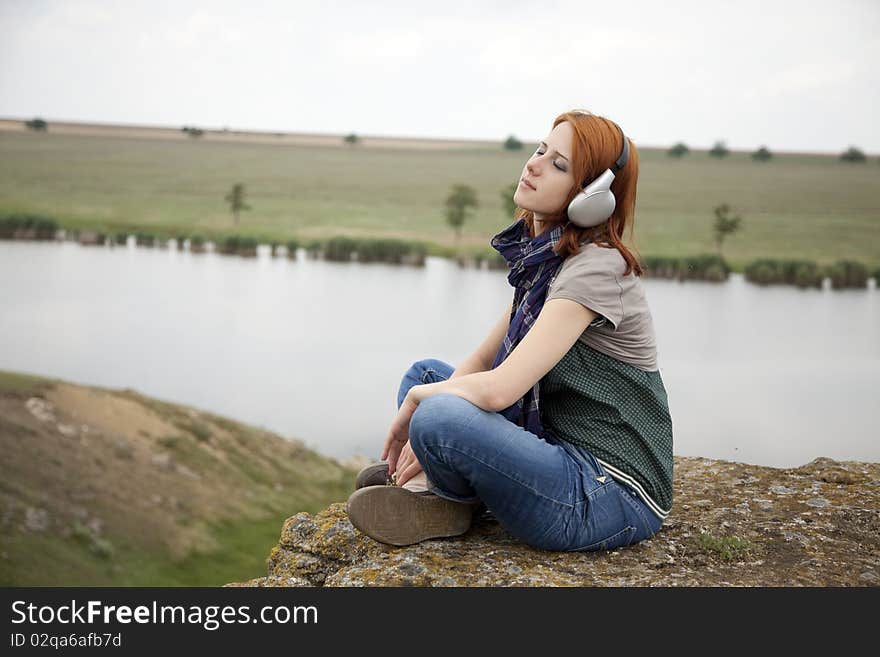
point(528, 184)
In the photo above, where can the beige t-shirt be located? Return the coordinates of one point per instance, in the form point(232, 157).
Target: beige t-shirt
point(594, 278)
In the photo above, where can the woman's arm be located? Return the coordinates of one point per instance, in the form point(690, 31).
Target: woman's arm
point(559, 324)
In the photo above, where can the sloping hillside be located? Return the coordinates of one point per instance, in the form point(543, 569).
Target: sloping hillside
point(112, 488)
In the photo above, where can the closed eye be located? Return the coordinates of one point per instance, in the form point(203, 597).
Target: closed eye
point(555, 162)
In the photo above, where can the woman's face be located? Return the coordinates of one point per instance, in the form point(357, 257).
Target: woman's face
point(548, 171)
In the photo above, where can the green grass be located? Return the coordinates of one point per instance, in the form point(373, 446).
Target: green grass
point(23, 383)
point(78, 560)
point(727, 547)
point(794, 206)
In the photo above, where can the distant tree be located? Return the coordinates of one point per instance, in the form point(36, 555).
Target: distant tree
point(192, 132)
point(762, 154)
point(459, 201)
point(235, 198)
point(719, 150)
point(679, 150)
point(38, 125)
point(724, 225)
point(352, 139)
point(853, 154)
point(512, 144)
point(507, 197)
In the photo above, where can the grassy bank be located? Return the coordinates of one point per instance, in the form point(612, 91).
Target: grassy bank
point(795, 206)
point(102, 487)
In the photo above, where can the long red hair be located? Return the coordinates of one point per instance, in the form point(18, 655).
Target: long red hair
point(596, 146)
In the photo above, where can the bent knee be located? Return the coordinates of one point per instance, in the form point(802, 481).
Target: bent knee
point(442, 414)
point(418, 368)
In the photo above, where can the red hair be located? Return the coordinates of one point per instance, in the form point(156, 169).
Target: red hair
point(595, 147)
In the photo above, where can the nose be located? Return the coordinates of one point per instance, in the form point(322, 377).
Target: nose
point(532, 166)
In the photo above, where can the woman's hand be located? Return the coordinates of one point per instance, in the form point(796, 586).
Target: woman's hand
point(408, 465)
point(397, 442)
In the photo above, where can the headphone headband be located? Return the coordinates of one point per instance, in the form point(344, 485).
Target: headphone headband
point(624, 156)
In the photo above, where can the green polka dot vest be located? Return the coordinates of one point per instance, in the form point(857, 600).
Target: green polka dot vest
point(617, 412)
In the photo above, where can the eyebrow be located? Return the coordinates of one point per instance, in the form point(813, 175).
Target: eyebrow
point(543, 143)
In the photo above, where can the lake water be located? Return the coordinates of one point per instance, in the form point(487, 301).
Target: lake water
point(316, 350)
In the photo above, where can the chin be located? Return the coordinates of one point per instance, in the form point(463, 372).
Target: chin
point(519, 201)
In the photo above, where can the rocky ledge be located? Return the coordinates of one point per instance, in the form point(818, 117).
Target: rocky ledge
point(732, 524)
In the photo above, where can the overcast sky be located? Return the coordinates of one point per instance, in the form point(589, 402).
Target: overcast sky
point(797, 76)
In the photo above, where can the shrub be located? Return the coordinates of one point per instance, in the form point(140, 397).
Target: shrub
point(145, 239)
point(339, 248)
point(703, 267)
point(762, 154)
point(512, 144)
point(46, 228)
point(239, 245)
point(102, 547)
point(38, 125)
point(762, 272)
point(853, 154)
point(660, 267)
point(383, 250)
point(197, 243)
point(679, 150)
point(247, 246)
point(27, 226)
point(416, 255)
point(806, 274)
point(847, 273)
point(89, 237)
point(492, 258)
point(314, 249)
point(719, 150)
point(767, 271)
point(169, 441)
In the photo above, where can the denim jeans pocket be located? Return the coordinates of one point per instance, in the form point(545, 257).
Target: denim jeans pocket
point(609, 522)
point(619, 539)
point(647, 517)
point(594, 478)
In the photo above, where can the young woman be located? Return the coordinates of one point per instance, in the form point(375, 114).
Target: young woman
point(558, 423)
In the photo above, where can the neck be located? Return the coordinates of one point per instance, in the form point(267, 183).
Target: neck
point(539, 223)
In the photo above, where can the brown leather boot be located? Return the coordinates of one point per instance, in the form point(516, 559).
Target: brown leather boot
point(397, 516)
point(375, 474)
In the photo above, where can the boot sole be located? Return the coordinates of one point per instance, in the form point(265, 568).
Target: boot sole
point(398, 516)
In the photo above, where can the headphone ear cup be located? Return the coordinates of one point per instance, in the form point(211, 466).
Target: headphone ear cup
point(594, 204)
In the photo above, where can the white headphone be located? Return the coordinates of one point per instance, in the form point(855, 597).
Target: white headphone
point(595, 202)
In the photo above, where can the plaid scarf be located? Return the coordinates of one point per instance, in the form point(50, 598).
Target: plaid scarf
point(533, 264)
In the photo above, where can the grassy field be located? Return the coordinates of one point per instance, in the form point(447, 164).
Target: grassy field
point(794, 206)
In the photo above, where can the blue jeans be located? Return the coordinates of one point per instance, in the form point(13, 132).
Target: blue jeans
point(551, 494)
